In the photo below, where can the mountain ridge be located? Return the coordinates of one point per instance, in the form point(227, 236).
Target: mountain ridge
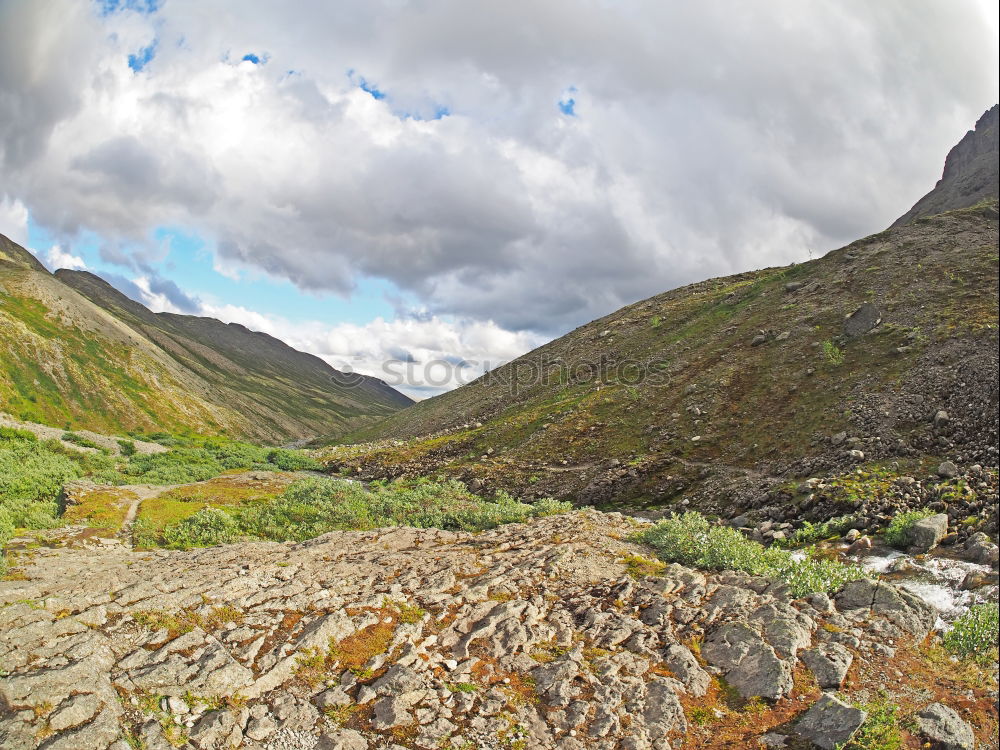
point(78, 352)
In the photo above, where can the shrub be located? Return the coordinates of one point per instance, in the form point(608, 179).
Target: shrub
point(289, 460)
point(833, 353)
point(207, 527)
point(898, 531)
point(810, 532)
point(127, 447)
point(11, 434)
point(880, 730)
point(974, 634)
point(72, 437)
point(691, 540)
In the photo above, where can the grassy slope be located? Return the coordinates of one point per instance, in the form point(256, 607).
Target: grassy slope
point(65, 361)
point(935, 282)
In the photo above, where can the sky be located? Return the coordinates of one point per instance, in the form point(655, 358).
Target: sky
point(449, 184)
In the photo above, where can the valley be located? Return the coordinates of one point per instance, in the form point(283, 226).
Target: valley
point(758, 511)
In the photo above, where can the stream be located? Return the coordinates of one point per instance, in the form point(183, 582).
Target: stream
point(937, 578)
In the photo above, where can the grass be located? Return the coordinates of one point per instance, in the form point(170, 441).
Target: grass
point(881, 730)
point(691, 540)
point(102, 508)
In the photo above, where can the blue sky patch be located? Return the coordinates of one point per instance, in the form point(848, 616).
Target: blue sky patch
point(188, 264)
point(146, 7)
point(251, 57)
point(140, 59)
point(567, 104)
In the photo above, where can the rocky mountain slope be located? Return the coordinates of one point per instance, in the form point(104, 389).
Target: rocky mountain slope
point(555, 634)
point(75, 351)
point(970, 172)
point(724, 391)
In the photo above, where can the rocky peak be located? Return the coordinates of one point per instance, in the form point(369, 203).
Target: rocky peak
point(970, 173)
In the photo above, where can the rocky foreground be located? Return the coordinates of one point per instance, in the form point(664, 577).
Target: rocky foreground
point(554, 634)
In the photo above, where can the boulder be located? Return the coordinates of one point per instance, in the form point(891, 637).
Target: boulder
point(750, 664)
point(830, 723)
point(945, 729)
point(862, 320)
point(927, 533)
point(947, 470)
point(829, 662)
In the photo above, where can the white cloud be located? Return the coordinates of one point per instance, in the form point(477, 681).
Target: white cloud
point(709, 138)
point(55, 258)
point(419, 356)
point(14, 220)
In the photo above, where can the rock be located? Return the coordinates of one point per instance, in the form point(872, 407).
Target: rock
point(794, 286)
point(945, 729)
point(759, 339)
point(830, 723)
point(750, 664)
point(860, 546)
point(391, 711)
point(852, 536)
point(862, 320)
point(773, 739)
point(261, 728)
point(926, 533)
point(73, 711)
point(941, 418)
point(683, 663)
point(855, 455)
point(342, 739)
point(947, 469)
point(829, 662)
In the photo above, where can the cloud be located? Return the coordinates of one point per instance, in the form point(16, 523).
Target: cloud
point(417, 355)
point(55, 258)
point(528, 166)
point(14, 220)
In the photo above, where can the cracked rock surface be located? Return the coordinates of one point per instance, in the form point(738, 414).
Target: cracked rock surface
point(529, 635)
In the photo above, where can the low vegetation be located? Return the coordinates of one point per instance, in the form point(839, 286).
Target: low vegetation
point(974, 634)
point(690, 539)
point(315, 505)
point(33, 472)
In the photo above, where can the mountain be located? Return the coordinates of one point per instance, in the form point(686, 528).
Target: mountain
point(75, 351)
point(720, 392)
point(970, 172)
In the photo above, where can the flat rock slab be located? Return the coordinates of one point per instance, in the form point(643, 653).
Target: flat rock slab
point(830, 723)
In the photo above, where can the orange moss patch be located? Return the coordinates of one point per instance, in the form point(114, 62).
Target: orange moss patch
point(103, 508)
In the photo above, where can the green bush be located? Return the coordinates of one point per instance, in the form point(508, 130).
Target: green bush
point(72, 437)
point(833, 353)
point(691, 540)
point(881, 729)
point(207, 527)
point(974, 634)
point(31, 480)
point(12, 434)
point(289, 460)
point(898, 531)
point(810, 532)
point(127, 447)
